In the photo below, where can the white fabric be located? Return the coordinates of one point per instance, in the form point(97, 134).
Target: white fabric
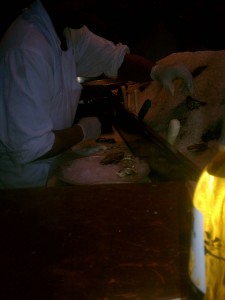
point(39, 91)
point(103, 56)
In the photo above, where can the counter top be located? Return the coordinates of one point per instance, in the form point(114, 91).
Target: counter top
point(97, 242)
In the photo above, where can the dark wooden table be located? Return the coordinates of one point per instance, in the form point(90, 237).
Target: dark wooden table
point(102, 242)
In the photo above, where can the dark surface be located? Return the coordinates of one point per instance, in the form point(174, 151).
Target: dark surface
point(152, 28)
point(103, 242)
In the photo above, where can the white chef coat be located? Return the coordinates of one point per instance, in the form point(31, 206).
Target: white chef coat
point(39, 92)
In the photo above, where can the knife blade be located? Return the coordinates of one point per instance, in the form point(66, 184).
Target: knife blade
point(144, 109)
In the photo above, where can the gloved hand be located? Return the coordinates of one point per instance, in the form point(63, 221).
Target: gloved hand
point(167, 74)
point(91, 128)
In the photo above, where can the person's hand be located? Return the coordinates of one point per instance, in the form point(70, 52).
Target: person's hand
point(167, 74)
point(91, 128)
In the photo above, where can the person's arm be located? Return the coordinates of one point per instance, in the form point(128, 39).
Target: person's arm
point(135, 68)
point(116, 61)
point(86, 129)
point(64, 139)
point(140, 69)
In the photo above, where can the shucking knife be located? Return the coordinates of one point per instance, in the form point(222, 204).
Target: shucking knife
point(144, 109)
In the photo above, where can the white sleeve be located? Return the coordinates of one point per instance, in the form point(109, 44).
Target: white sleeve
point(95, 55)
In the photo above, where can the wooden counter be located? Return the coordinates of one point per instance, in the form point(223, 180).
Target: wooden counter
point(102, 242)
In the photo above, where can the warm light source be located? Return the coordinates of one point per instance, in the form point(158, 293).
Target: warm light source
point(207, 257)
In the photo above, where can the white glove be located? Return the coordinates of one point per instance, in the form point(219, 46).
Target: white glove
point(167, 74)
point(91, 128)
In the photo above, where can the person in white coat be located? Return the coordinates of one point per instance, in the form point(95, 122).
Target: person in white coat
point(41, 54)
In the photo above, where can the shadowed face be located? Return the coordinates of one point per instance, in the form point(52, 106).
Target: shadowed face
point(71, 13)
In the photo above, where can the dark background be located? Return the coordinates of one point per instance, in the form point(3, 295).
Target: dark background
point(153, 29)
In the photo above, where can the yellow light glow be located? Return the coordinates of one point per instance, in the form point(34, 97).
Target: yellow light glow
point(209, 199)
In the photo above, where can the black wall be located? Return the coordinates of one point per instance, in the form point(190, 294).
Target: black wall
point(153, 29)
